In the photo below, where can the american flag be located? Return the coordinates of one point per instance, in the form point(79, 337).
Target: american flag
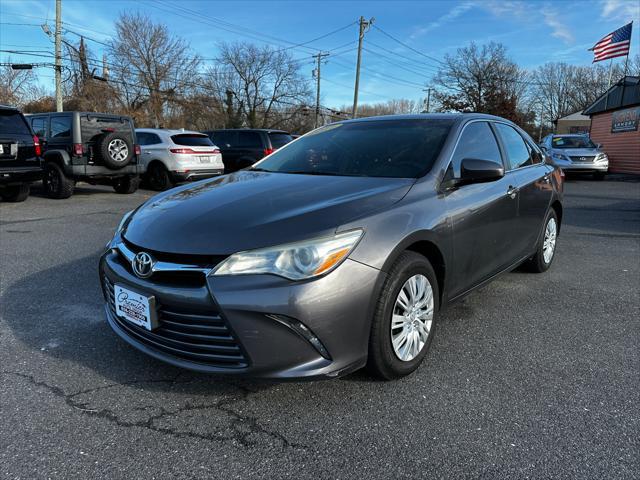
point(616, 44)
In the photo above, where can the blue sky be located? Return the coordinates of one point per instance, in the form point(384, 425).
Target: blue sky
point(534, 31)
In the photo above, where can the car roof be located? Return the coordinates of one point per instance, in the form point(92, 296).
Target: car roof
point(169, 131)
point(267, 130)
point(429, 116)
point(9, 107)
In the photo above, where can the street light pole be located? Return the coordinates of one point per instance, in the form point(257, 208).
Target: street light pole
point(364, 26)
point(58, 48)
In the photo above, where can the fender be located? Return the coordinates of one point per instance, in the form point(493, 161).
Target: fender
point(61, 157)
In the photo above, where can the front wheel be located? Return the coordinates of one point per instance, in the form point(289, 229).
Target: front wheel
point(546, 249)
point(126, 185)
point(405, 318)
point(15, 193)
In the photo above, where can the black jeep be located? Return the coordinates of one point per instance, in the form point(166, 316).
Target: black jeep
point(97, 148)
point(20, 161)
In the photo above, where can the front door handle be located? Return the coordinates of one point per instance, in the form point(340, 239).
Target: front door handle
point(512, 192)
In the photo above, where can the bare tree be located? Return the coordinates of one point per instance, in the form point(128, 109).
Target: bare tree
point(481, 79)
point(153, 67)
point(264, 83)
point(18, 87)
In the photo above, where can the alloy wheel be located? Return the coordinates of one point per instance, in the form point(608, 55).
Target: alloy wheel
point(118, 150)
point(412, 318)
point(549, 243)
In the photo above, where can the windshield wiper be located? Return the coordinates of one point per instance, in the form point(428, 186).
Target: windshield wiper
point(258, 169)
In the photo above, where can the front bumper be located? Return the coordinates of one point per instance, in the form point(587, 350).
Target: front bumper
point(569, 166)
point(243, 311)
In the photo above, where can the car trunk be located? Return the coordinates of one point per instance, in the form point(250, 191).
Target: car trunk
point(93, 127)
point(16, 140)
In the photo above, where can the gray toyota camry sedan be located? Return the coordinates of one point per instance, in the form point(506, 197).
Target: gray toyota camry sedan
point(337, 251)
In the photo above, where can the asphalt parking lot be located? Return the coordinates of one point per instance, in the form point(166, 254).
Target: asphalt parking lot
point(533, 376)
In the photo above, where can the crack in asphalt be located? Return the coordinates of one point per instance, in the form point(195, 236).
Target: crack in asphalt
point(242, 426)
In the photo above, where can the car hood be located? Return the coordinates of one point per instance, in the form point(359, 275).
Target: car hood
point(578, 152)
point(247, 210)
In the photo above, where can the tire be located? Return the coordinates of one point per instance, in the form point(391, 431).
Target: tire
point(126, 185)
point(539, 263)
point(599, 176)
point(158, 177)
point(115, 150)
point(15, 193)
point(55, 182)
point(384, 360)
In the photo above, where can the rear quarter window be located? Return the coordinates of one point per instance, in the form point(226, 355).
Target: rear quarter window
point(279, 139)
point(13, 123)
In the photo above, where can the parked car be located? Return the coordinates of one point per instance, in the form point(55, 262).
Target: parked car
point(20, 161)
point(242, 148)
point(335, 252)
point(172, 156)
point(97, 148)
point(576, 153)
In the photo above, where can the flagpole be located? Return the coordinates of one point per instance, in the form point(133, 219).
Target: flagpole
point(606, 100)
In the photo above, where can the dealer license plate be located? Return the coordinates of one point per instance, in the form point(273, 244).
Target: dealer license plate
point(136, 308)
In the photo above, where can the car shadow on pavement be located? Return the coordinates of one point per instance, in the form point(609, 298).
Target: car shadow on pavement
point(58, 312)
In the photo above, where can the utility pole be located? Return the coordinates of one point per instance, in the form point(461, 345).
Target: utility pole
point(319, 56)
point(58, 67)
point(364, 27)
point(428, 90)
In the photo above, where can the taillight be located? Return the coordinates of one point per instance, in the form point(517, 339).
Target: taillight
point(77, 149)
point(268, 151)
point(137, 150)
point(181, 150)
point(36, 146)
point(215, 152)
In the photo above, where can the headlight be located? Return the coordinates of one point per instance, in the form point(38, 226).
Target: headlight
point(559, 156)
point(601, 157)
point(121, 226)
point(295, 261)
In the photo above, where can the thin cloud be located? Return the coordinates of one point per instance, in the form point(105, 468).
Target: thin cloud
point(625, 10)
point(452, 14)
point(559, 29)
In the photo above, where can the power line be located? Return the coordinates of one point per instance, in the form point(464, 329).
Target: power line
point(407, 46)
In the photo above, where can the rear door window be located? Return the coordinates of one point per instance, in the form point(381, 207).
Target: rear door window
point(225, 138)
point(93, 126)
point(13, 123)
point(60, 127)
point(192, 140)
point(517, 152)
point(249, 140)
point(279, 139)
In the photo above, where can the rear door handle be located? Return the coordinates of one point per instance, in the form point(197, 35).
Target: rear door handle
point(512, 192)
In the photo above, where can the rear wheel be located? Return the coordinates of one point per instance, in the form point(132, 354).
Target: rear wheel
point(55, 182)
point(541, 260)
point(405, 318)
point(158, 177)
point(126, 185)
point(15, 193)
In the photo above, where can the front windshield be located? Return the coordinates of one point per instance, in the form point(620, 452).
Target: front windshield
point(572, 142)
point(381, 148)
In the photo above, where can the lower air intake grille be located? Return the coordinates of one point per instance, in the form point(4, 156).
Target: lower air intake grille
point(196, 337)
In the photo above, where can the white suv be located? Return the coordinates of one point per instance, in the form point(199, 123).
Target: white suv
point(173, 156)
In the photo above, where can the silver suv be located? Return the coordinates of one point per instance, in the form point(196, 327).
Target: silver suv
point(173, 156)
point(576, 153)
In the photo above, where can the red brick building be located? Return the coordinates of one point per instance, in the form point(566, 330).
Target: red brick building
point(615, 124)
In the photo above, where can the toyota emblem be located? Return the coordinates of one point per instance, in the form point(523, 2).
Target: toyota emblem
point(142, 264)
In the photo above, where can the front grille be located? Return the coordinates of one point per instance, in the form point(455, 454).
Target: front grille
point(189, 335)
point(583, 158)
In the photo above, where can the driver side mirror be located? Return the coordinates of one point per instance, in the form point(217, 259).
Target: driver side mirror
point(473, 170)
point(598, 145)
